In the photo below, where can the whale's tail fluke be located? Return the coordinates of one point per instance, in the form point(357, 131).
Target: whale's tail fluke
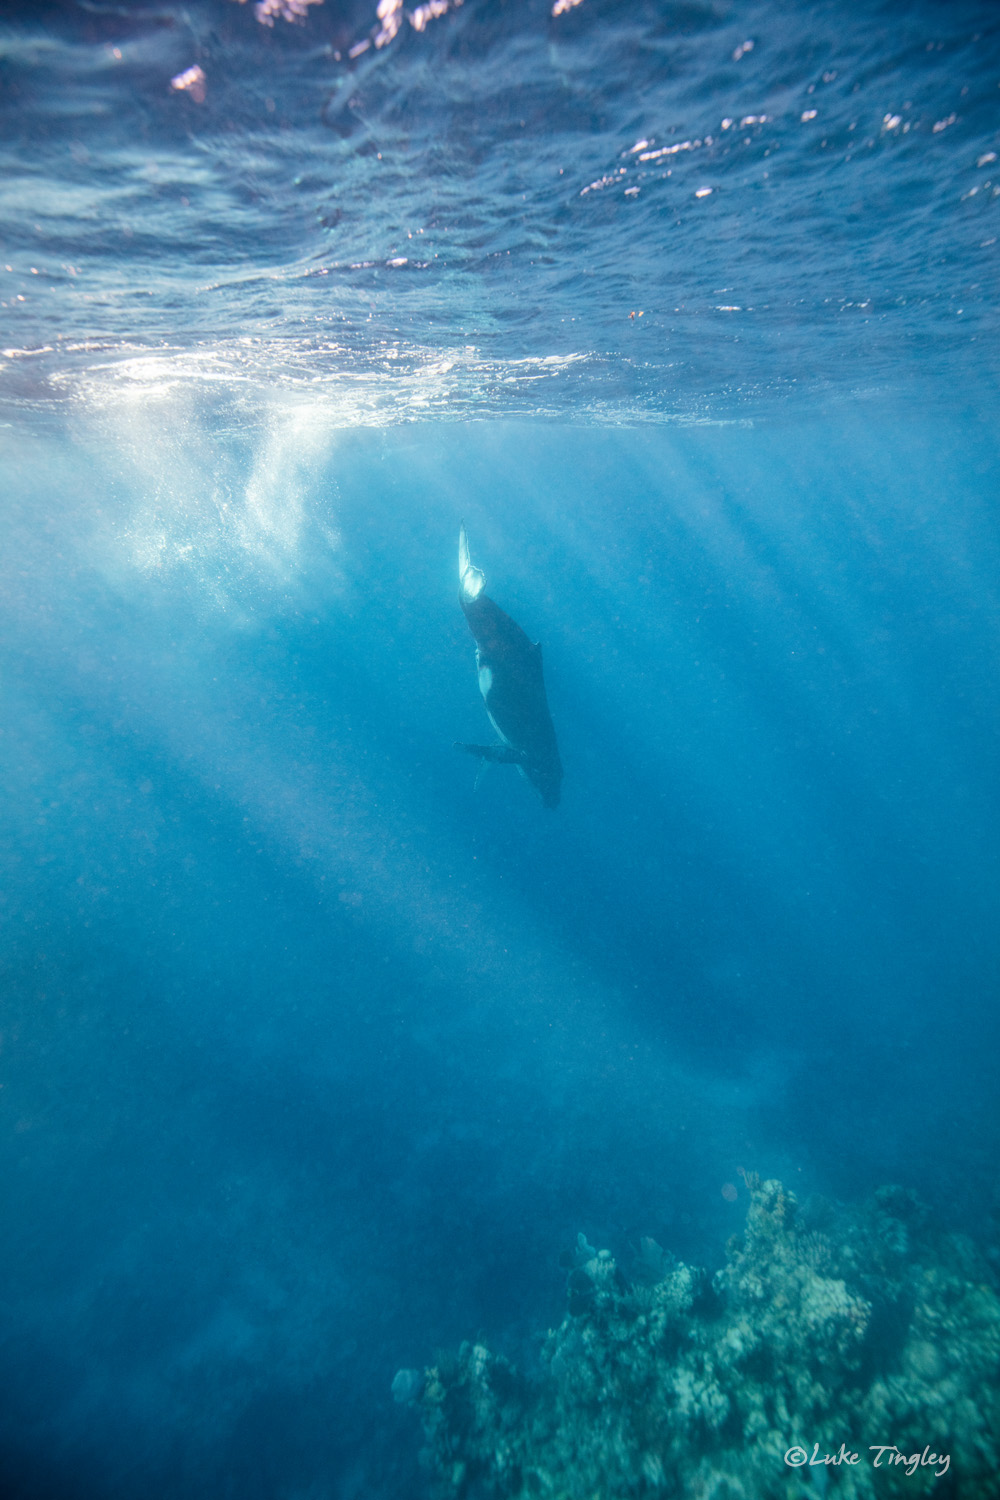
point(471, 581)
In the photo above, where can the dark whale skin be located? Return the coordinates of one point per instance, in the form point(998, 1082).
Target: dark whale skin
point(513, 688)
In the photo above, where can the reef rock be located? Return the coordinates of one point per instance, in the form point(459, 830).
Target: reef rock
point(828, 1332)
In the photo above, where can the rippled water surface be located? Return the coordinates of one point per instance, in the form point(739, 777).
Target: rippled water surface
point(630, 210)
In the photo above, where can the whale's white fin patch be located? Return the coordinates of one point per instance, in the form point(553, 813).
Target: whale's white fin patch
point(485, 681)
point(471, 580)
point(496, 726)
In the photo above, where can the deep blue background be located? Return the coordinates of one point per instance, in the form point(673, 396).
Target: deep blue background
point(313, 1056)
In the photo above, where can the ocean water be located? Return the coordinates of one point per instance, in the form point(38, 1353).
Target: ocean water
point(314, 1051)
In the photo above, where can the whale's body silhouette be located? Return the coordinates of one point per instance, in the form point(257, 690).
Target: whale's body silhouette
point(512, 685)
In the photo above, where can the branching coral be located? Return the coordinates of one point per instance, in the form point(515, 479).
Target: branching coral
point(833, 1331)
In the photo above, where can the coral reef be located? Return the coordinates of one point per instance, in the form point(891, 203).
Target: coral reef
point(848, 1353)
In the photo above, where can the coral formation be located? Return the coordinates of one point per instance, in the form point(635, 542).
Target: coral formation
point(830, 1332)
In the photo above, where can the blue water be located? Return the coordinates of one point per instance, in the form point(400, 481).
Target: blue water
point(314, 1053)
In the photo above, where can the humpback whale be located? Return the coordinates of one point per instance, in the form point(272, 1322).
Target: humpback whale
point(511, 682)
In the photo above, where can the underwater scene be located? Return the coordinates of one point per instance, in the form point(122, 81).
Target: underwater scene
point(499, 806)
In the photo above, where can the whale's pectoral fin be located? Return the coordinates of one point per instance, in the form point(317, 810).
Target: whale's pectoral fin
point(471, 581)
point(502, 755)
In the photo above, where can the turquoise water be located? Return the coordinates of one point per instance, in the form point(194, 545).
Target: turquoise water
point(315, 1053)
